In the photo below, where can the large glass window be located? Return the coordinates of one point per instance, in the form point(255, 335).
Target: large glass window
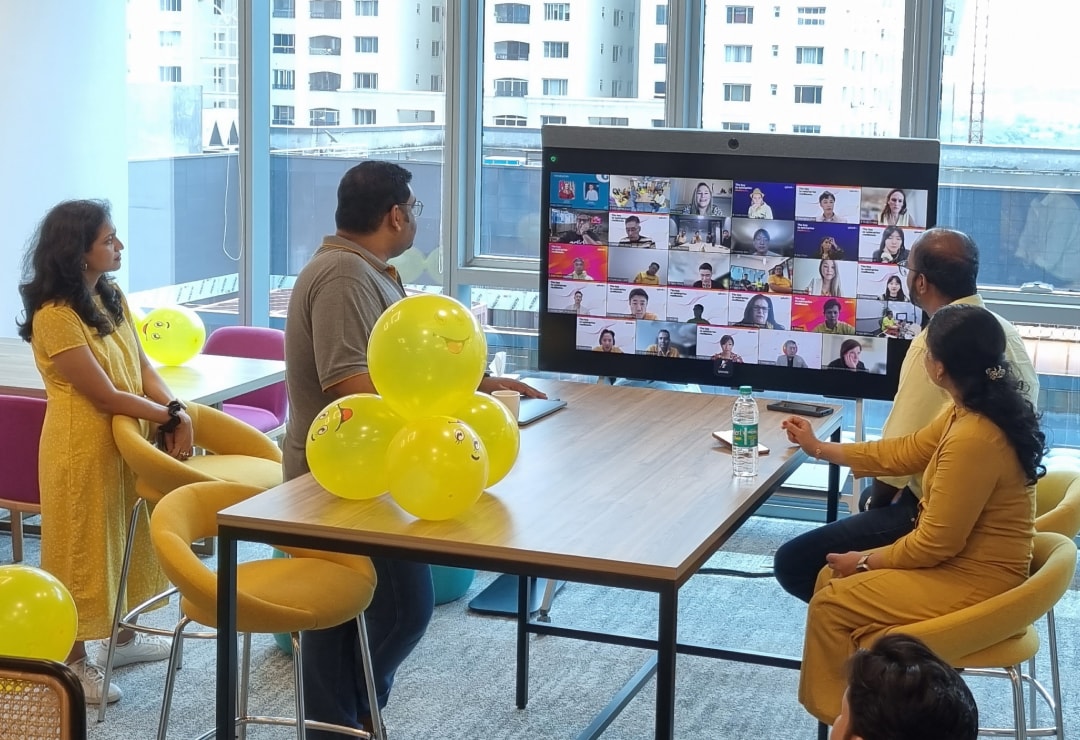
point(393, 109)
point(592, 72)
point(183, 135)
point(868, 37)
point(1011, 140)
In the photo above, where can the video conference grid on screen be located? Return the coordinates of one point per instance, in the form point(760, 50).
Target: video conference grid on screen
point(801, 275)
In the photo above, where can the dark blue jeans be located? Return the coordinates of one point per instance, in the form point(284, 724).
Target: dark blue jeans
point(334, 688)
point(798, 561)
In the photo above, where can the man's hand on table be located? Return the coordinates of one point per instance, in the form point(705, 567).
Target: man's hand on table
point(491, 383)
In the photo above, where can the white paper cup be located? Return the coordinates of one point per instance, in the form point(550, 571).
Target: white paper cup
point(509, 399)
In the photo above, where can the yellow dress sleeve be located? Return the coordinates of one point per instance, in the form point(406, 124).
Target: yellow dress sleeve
point(898, 455)
point(57, 329)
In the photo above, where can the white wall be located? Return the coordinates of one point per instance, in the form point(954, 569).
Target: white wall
point(63, 130)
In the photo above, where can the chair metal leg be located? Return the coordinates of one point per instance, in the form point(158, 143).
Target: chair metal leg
point(298, 679)
point(1015, 677)
point(1051, 636)
point(379, 732)
point(118, 612)
point(170, 677)
point(242, 688)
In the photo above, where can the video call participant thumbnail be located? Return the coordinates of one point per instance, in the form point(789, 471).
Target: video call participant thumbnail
point(832, 324)
point(759, 314)
point(586, 230)
point(705, 277)
point(578, 273)
point(663, 346)
point(639, 304)
point(791, 357)
point(648, 276)
point(607, 342)
point(633, 238)
point(892, 249)
point(850, 351)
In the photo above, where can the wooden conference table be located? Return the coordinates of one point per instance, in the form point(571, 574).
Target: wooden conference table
point(206, 379)
point(625, 487)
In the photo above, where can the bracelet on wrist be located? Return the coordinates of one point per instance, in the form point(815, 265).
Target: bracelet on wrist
point(174, 407)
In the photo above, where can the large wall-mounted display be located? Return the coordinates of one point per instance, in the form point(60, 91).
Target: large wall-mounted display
point(761, 259)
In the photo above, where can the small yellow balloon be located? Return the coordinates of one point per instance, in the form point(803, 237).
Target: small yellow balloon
point(172, 335)
point(497, 429)
point(38, 618)
point(426, 355)
point(347, 444)
point(437, 467)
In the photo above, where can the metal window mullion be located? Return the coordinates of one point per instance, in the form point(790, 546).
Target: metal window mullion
point(685, 52)
point(920, 102)
point(461, 152)
point(253, 73)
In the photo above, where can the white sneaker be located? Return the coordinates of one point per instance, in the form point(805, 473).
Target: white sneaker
point(92, 678)
point(142, 649)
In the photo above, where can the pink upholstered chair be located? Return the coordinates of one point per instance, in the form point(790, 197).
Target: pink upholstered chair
point(20, 430)
point(267, 408)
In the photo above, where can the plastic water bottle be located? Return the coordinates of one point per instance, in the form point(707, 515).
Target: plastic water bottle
point(744, 439)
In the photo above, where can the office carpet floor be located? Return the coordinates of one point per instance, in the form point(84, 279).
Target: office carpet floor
point(459, 682)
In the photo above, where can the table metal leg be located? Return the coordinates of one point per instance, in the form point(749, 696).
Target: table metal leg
point(665, 662)
point(226, 638)
point(832, 501)
point(522, 684)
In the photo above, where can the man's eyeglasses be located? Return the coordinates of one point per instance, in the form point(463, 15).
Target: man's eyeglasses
point(903, 269)
point(416, 207)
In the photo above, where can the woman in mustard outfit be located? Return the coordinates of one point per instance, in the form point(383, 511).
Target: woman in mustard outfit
point(87, 352)
point(973, 537)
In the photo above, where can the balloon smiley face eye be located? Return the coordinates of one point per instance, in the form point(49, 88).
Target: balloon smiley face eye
point(476, 450)
point(459, 436)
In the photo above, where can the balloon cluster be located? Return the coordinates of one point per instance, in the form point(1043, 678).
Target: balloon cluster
point(429, 438)
point(38, 618)
point(172, 335)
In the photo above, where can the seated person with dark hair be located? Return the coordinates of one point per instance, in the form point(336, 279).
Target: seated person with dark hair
point(706, 279)
point(607, 342)
point(663, 345)
point(698, 318)
point(758, 314)
point(582, 233)
point(639, 303)
point(727, 345)
point(900, 690)
point(632, 224)
point(849, 356)
point(649, 276)
point(832, 325)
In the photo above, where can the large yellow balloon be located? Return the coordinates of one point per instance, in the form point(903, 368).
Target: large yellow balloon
point(38, 618)
point(347, 444)
point(426, 355)
point(497, 429)
point(437, 467)
point(172, 335)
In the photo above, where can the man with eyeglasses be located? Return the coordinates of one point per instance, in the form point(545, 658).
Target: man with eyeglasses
point(943, 268)
point(338, 297)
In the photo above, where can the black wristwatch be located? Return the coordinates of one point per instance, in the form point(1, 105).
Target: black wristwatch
point(174, 408)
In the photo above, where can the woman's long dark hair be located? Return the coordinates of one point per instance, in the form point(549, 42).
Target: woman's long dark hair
point(970, 343)
point(53, 267)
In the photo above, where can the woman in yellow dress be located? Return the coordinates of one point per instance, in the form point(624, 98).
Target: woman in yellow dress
point(86, 349)
point(973, 536)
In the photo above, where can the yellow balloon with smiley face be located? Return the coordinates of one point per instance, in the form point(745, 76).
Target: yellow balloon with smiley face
point(172, 335)
point(497, 429)
point(347, 443)
point(437, 467)
point(426, 355)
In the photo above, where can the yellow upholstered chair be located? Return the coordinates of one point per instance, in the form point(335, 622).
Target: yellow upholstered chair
point(41, 699)
point(999, 634)
point(237, 452)
point(309, 590)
